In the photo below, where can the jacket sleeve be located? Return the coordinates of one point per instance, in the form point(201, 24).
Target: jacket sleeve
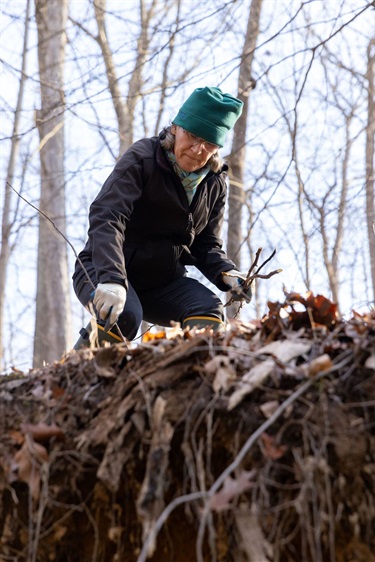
point(207, 247)
point(108, 216)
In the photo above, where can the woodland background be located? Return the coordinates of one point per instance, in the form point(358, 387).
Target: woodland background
point(82, 79)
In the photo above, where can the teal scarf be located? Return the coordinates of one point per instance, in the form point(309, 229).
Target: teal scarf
point(190, 180)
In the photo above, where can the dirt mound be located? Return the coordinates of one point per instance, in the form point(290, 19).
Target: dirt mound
point(256, 445)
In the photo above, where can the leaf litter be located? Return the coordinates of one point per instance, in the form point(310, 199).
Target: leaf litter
point(252, 445)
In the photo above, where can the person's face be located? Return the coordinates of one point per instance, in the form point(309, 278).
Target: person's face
point(191, 152)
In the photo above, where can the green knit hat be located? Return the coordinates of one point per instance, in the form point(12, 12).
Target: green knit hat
point(209, 114)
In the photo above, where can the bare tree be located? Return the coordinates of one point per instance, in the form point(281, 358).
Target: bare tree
point(237, 156)
point(286, 186)
point(321, 102)
point(165, 82)
point(52, 324)
point(124, 106)
point(6, 222)
point(370, 180)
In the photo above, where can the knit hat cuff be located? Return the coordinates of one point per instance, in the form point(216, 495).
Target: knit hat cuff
point(201, 128)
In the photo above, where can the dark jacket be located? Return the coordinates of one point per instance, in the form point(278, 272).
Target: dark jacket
point(143, 230)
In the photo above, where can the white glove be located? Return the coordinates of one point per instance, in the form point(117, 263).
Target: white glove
point(235, 279)
point(109, 301)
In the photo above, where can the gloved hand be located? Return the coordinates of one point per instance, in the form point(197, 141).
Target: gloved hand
point(109, 301)
point(235, 280)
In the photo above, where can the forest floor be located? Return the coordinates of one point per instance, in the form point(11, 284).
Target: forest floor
point(252, 445)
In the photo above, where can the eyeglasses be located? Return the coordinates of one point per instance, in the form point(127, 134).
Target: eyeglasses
point(193, 139)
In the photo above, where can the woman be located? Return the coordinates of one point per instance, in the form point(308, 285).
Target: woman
point(161, 209)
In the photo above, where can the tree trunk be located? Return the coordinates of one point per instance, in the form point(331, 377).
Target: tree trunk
point(52, 324)
point(332, 263)
point(125, 127)
point(6, 223)
point(125, 110)
point(370, 135)
point(236, 159)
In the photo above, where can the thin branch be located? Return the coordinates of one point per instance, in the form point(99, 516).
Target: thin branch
point(245, 286)
point(55, 227)
point(69, 244)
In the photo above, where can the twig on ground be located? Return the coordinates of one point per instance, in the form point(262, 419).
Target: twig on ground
point(250, 277)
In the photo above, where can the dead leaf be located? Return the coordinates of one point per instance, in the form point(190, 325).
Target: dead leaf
point(224, 372)
point(286, 350)
point(356, 551)
point(231, 489)
point(322, 310)
point(271, 449)
point(27, 463)
point(59, 533)
point(251, 380)
point(370, 362)
point(175, 331)
point(212, 366)
point(354, 331)
point(42, 432)
point(40, 392)
point(269, 408)
point(114, 534)
point(17, 436)
point(319, 364)
point(151, 336)
point(57, 392)
point(224, 379)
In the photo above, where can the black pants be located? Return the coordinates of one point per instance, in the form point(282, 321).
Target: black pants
point(176, 301)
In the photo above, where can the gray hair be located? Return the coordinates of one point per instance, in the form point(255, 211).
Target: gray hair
point(167, 140)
